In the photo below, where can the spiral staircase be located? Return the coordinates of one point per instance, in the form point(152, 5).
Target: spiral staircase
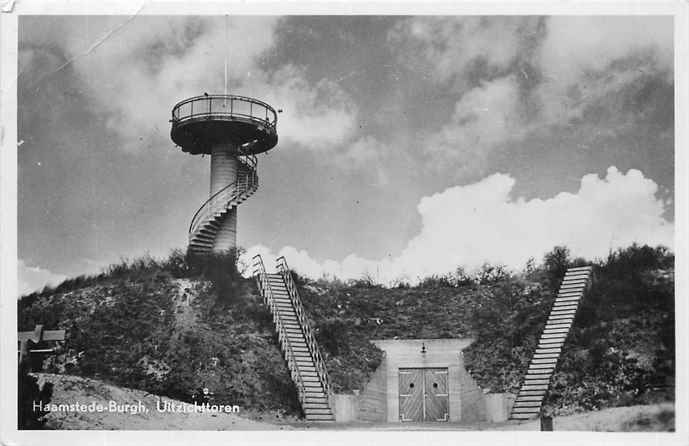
point(208, 218)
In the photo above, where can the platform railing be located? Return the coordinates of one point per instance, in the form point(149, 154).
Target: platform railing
point(318, 360)
point(224, 105)
point(245, 184)
point(266, 291)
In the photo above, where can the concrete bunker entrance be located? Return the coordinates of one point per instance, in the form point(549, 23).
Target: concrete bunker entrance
point(423, 394)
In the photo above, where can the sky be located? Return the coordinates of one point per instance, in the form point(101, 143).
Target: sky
point(408, 146)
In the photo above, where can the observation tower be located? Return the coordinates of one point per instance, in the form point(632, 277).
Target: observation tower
point(232, 130)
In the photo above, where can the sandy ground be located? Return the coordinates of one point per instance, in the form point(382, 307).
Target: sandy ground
point(73, 389)
point(618, 419)
point(651, 418)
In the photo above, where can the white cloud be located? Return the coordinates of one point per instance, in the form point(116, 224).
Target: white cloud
point(448, 45)
point(33, 278)
point(577, 53)
point(317, 117)
point(573, 62)
point(140, 71)
point(483, 117)
point(576, 44)
point(476, 223)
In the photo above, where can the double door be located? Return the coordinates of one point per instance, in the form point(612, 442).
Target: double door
point(423, 394)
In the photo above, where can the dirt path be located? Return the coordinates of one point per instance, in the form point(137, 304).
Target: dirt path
point(74, 389)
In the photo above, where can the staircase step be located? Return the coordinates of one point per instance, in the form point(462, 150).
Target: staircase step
point(531, 377)
point(564, 310)
point(574, 296)
point(319, 405)
point(539, 393)
point(527, 404)
point(560, 336)
point(557, 344)
point(535, 387)
point(526, 410)
point(546, 356)
point(543, 367)
point(314, 392)
point(310, 379)
point(551, 342)
point(320, 418)
point(571, 289)
point(535, 380)
point(529, 398)
point(558, 326)
point(318, 411)
point(560, 319)
point(580, 282)
point(569, 300)
point(549, 350)
point(544, 361)
point(577, 275)
point(559, 310)
point(518, 417)
point(559, 323)
point(201, 243)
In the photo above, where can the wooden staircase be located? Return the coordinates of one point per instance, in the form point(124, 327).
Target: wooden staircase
point(537, 381)
point(208, 218)
point(304, 360)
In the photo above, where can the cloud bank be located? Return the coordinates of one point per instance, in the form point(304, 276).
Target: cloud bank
point(136, 69)
point(476, 223)
point(32, 278)
point(515, 75)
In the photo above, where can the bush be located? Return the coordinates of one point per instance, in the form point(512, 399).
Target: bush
point(30, 394)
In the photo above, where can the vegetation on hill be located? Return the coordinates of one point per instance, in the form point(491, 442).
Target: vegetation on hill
point(171, 326)
point(620, 351)
point(168, 327)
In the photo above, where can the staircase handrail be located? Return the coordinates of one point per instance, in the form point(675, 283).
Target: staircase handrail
point(246, 182)
point(318, 360)
point(268, 298)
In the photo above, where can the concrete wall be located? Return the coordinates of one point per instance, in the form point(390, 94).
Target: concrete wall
point(373, 398)
point(498, 406)
point(465, 398)
point(472, 398)
point(345, 407)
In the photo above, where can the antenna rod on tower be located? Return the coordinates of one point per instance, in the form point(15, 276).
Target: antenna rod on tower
point(226, 50)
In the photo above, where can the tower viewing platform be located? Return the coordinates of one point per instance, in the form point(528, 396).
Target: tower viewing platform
point(232, 130)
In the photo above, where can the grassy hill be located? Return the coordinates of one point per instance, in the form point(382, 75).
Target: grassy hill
point(170, 326)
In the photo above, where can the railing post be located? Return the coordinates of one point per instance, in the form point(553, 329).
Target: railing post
point(285, 344)
point(319, 362)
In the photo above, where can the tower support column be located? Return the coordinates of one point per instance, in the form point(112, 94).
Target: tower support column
point(224, 167)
